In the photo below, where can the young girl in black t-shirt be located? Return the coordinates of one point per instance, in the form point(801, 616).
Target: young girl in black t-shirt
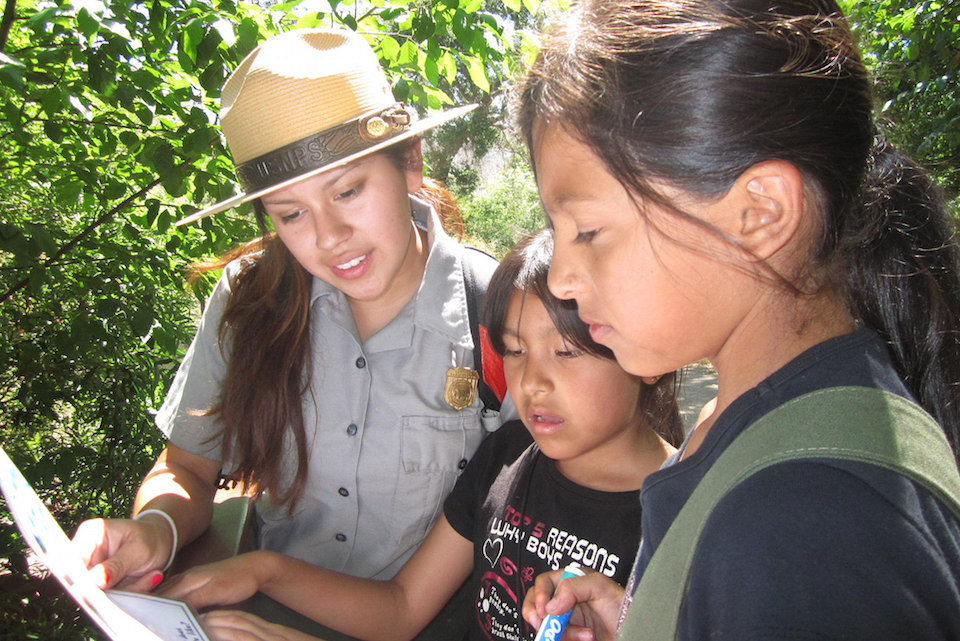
point(523, 505)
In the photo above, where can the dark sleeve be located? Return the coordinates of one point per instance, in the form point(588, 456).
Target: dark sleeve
point(812, 550)
point(460, 506)
point(497, 450)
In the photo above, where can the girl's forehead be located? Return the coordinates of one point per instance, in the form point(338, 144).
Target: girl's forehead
point(528, 315)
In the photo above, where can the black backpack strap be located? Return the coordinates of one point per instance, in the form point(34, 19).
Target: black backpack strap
point(474, 291)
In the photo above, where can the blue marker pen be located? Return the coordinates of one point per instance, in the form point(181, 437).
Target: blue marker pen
point(552, 627)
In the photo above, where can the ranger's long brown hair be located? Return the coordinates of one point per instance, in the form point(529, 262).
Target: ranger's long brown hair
point(265, 336)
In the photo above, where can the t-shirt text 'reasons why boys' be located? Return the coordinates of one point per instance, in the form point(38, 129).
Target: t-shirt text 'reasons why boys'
point(525, 518)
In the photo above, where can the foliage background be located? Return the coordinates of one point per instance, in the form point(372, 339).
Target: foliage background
point(108, 126)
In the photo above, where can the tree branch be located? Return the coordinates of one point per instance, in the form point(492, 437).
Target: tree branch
point(9, 14)
point(83, 234)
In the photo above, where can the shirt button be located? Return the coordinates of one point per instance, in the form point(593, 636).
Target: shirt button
point(352, 429)
point(341, 537)
point(361, 363)
point(343, 491)
point(462, 464)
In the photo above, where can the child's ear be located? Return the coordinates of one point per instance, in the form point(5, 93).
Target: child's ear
point(770, 197)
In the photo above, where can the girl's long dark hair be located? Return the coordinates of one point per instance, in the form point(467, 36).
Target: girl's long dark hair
point(692, 93)
point(265, 336)
point(525, 269)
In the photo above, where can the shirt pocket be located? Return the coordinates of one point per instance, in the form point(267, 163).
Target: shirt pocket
point(433, 452)
point(436, 444)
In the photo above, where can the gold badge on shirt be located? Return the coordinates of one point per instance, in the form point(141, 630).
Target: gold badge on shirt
point(461, 387)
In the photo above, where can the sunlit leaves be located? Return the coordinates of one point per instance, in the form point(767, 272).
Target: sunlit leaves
point(912, 47)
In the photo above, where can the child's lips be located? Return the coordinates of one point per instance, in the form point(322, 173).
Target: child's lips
point(597, 329)
point(598, 332)
point(543, 422)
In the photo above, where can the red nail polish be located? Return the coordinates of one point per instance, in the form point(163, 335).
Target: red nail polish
point(106, 577)
point(155, 581)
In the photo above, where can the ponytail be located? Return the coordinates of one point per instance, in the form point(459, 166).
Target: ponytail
point(903, 279)
point(445, 204)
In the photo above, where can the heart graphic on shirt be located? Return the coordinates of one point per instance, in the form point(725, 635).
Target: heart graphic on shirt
point(492, 551)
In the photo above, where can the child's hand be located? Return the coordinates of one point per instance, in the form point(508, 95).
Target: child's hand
point(595, 600)
point(221, 583)
point(234, 625)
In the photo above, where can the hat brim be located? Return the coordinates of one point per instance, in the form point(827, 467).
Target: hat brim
point(417, 127)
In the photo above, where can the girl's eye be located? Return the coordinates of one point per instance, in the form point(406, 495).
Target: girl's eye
point(586, 237)
point(569, 353)
point(289, 218)
point(350, 193)
point(512, 352)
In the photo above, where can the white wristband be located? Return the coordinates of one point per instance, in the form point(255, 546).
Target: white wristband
point(173, 528)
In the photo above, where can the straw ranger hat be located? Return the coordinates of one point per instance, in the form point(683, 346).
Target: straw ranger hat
point(304, 102)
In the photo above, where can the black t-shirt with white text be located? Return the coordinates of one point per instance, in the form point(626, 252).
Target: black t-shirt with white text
point(525, 518)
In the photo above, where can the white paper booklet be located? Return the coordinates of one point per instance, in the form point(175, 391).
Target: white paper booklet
point(124, 616)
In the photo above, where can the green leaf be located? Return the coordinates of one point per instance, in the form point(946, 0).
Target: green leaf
point(50, 101)
point(130, 140)
point(153, 208)
point(141, 320)
point(423, 26)
point(287, 6)
point(11, 73)
point(164, 221)
point(207, 48)
point(125, 94)
point(53, 131)
point(162, 157)
point(477, 73)
point(39, 20)
point(175, 183)
point(192, 37)
point(212, 78)
point(401, 90)
point(107, 307)
point(114, 189)
point(87, 23)
point(37, 277)
point(389, 48)
point(144, 114)
point(431, 70)
point(248, 34)
point(448, 65)
point(408, 53)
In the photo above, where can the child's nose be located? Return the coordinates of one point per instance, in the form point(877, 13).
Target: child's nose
point(535, 380)
point(562, 279)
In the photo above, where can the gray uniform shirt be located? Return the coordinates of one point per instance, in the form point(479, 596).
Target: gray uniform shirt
point(384, 448)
